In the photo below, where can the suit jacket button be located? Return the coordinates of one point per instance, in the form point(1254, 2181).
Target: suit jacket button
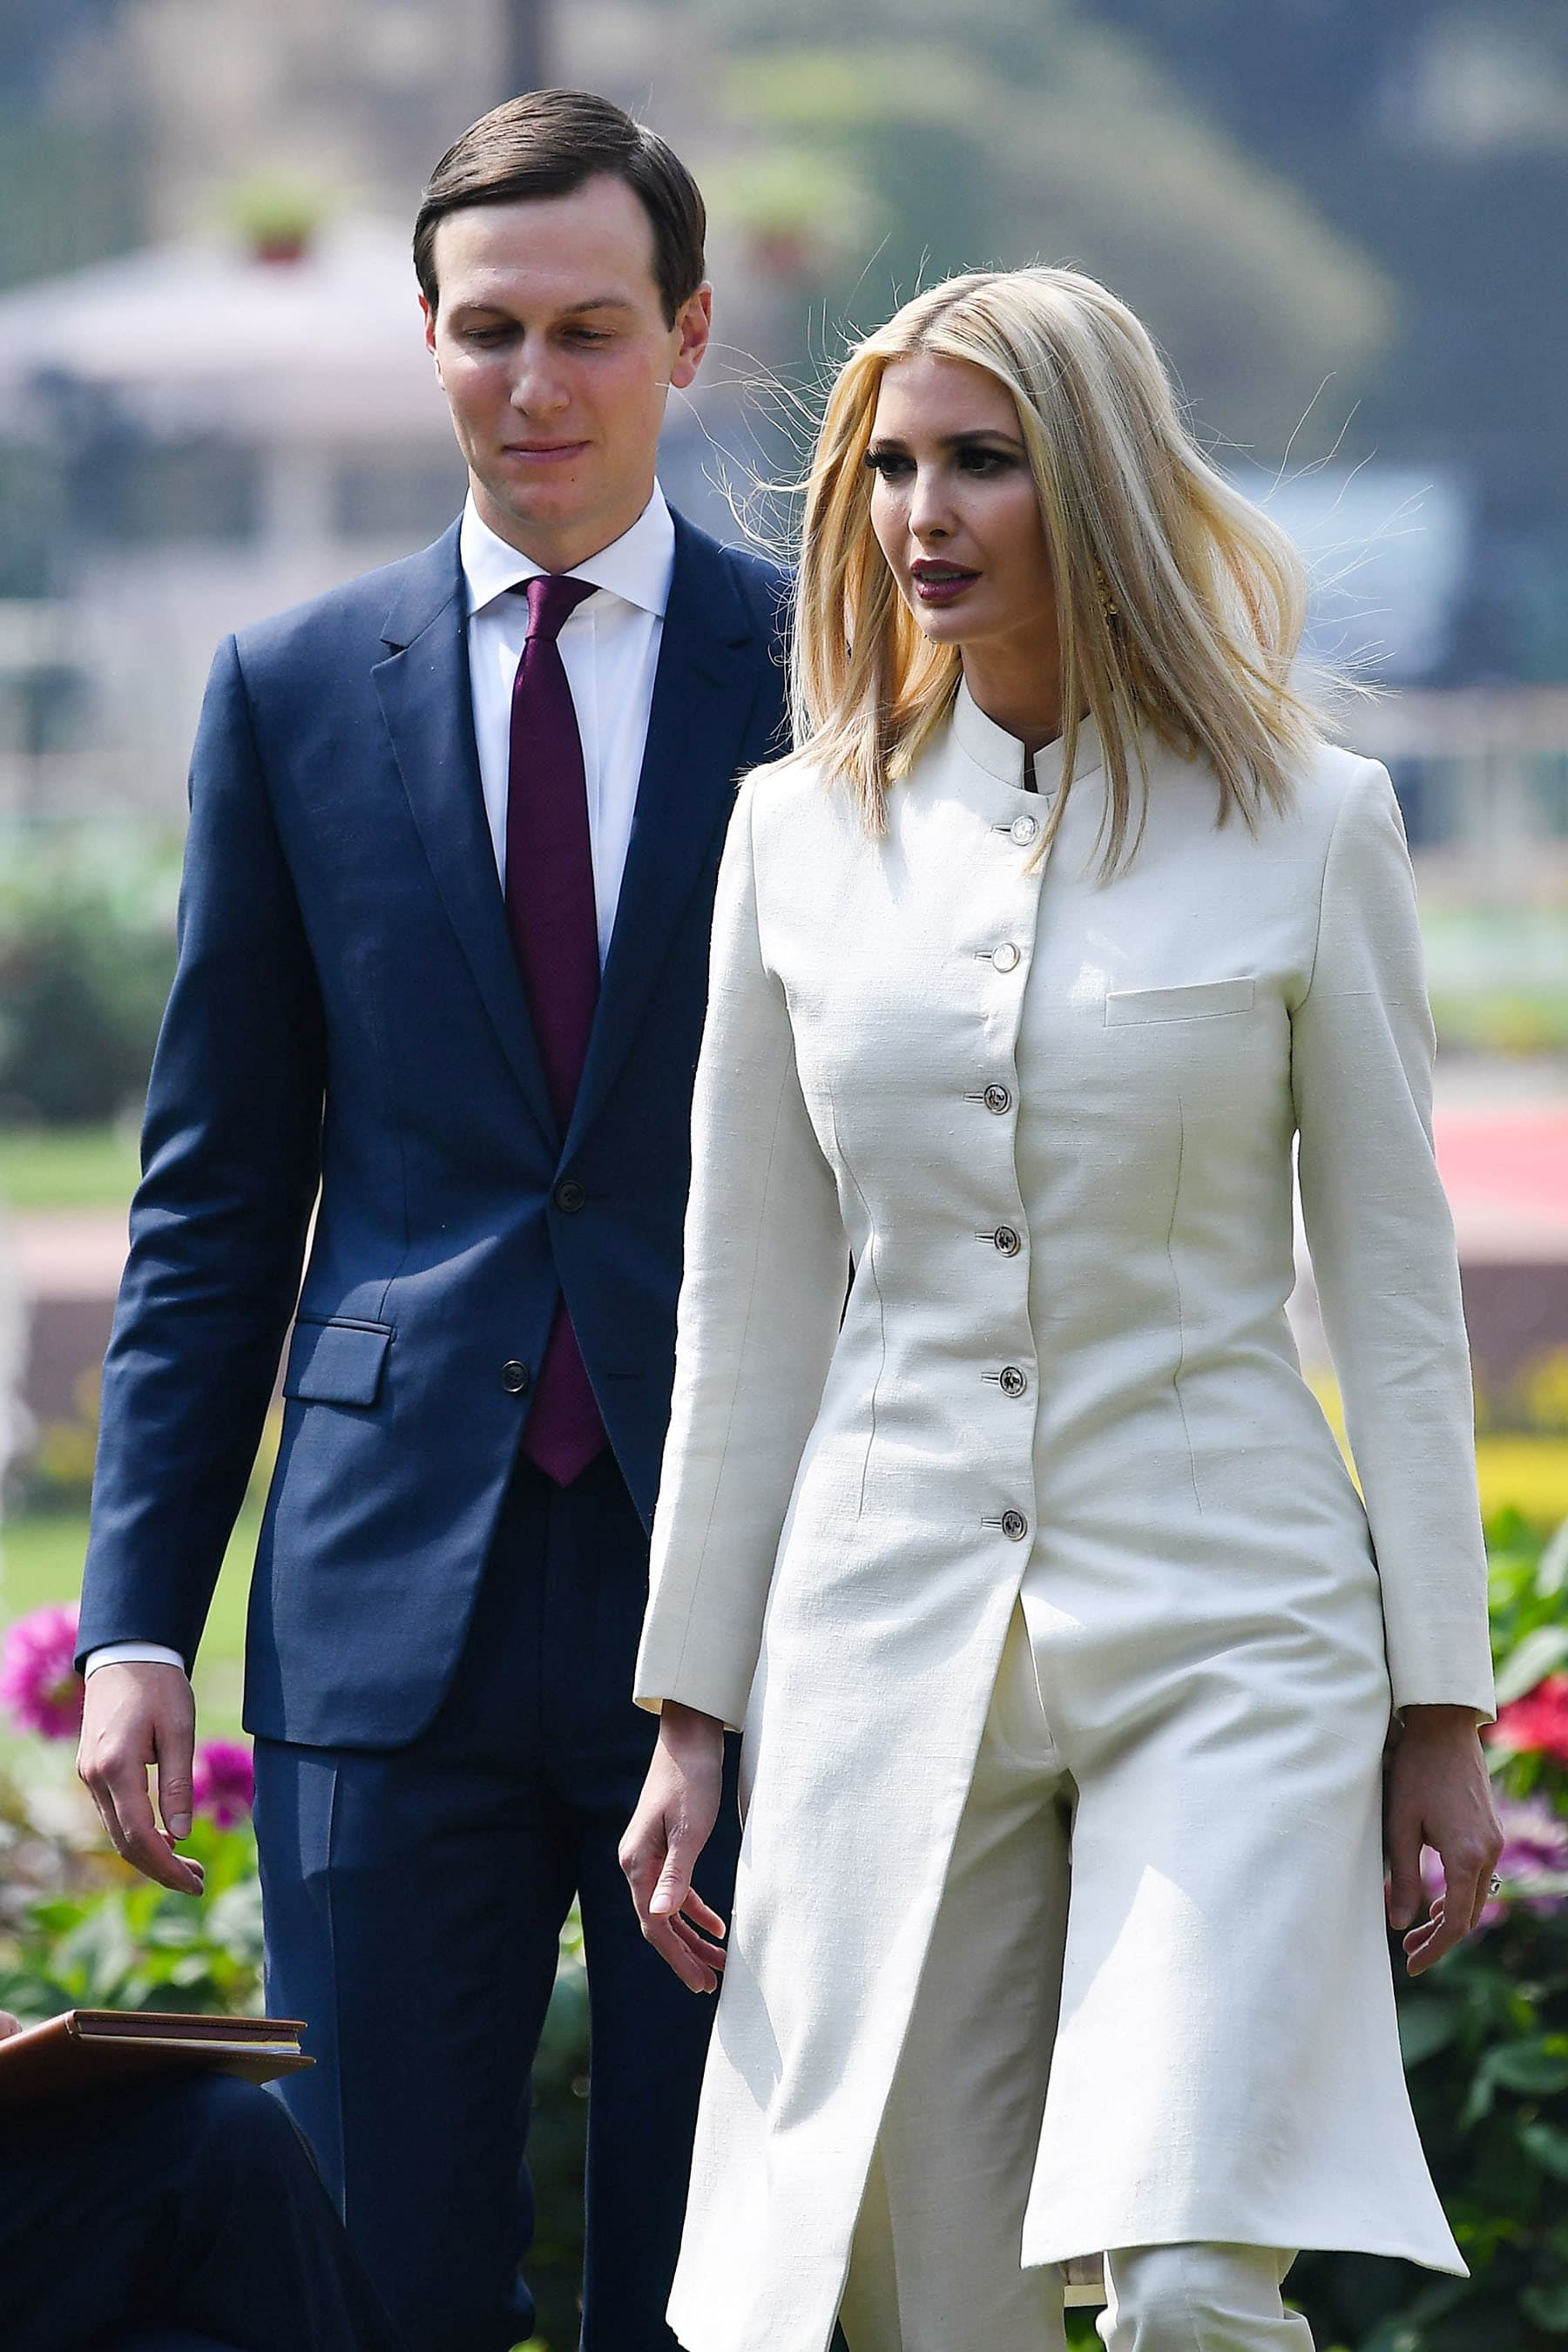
point(1014, 1526)
point(999, 1099)
point(1014, 1381)
point(1006, 1241)
point(569, 1195)
point(1007, 957)
point(515, 1378)
point(1023, 829)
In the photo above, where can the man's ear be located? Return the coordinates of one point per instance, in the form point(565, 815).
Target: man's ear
point(694, 326)
point(429, 317)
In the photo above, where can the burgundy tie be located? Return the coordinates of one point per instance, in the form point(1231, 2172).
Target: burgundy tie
point(553, 916)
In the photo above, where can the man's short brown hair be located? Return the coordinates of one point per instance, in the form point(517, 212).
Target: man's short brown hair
point(547, 143)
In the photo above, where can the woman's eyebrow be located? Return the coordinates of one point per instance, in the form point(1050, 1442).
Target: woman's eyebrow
point(888, 444)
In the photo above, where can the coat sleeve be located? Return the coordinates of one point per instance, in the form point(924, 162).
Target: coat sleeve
point(766, 1270)
point(1383, 1256)
point(231, 1157)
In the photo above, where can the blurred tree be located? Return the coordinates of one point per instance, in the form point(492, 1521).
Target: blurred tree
point(1325, 213)
point(69, 152)
point(1028, 132)
point(1439, 131)
point(529, 45)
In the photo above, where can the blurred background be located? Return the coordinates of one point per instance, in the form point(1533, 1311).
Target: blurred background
point(1344, 224)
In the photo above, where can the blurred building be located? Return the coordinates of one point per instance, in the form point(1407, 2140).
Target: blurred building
point(236, 427)
point(241, 411)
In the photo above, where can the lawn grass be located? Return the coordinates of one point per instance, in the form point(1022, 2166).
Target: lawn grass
point(40, 1561)
point(67, 1167)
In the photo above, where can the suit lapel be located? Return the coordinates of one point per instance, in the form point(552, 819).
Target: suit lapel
point(426, 703)
point(703, 692)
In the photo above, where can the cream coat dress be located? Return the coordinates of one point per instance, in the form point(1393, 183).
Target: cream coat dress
point(1049, 1119)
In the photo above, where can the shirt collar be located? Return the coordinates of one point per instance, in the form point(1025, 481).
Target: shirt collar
point(1002, 755)
point(638, 566)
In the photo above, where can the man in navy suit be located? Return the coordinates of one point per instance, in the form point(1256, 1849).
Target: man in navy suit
point(443, 960)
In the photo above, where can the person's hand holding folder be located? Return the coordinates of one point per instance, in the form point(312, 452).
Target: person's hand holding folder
point(145, 2201)
point(87, 2047)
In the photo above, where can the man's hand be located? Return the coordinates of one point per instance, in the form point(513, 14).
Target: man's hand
point(8, 2025)
point(134, 1717)
point(672, 1823)
point(1437, 1793)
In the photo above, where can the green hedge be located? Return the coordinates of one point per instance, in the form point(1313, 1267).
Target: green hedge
point(87, 953)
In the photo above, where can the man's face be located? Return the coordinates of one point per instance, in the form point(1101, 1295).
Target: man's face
point(553, 349)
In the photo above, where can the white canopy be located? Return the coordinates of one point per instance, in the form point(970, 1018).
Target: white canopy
point(206, 337)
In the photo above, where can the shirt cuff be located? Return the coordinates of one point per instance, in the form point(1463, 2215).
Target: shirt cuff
point(132, 1654)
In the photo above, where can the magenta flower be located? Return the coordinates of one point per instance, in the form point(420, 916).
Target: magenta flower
point(222, 1784)
point(38, 1680)
point(1538, 1722)
point(1535, 1847)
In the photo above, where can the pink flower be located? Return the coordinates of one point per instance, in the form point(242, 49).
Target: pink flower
point(222, 1784)
point(1535, 1847)
point(1538, 1721)
point(38, 1680)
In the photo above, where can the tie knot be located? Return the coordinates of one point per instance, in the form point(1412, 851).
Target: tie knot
point(552, 598)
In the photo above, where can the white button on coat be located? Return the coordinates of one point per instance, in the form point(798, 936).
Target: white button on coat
point(1198, 1584)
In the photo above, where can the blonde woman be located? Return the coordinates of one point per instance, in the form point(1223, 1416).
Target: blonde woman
point(1065, 1651)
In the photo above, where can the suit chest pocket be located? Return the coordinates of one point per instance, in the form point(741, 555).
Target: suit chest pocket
point(1203, 1001)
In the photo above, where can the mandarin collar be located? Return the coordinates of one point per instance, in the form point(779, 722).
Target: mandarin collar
point(1001, 755)
point(638, 566)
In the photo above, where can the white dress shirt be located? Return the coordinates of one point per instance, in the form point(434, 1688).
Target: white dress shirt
point(609, 650)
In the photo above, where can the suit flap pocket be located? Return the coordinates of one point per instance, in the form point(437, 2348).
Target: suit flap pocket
point(336, 1363)
point(1195, 1004)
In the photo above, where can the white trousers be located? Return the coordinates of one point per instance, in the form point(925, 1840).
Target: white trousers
point(934, 2266)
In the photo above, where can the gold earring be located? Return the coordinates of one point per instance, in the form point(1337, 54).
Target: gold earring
point(1109, 608)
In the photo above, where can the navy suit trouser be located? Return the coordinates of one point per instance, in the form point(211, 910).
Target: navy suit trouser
point(174, 2216)
point(413, 1901)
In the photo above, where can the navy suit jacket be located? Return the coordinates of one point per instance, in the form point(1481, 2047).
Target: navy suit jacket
point(347, 1016)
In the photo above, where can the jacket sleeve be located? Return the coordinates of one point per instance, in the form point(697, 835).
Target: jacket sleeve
point(1383, 1256)
point(231, 1159)
point(766, 1271)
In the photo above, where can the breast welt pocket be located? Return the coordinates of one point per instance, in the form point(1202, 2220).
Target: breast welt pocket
point(336, 1363)
point(1201, 1002)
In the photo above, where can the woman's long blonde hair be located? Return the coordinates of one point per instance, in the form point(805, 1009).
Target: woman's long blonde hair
point(1209, 596)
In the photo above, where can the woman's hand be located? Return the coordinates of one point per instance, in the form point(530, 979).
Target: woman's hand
point(1437, 1792)
point(665, 1837)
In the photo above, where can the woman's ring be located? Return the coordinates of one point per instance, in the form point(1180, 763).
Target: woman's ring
point(1496, 1883)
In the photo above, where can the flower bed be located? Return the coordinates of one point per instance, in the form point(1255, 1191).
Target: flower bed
point(1485, 2037)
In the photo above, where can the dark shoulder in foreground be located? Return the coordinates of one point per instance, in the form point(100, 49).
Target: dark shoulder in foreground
point(370, 614)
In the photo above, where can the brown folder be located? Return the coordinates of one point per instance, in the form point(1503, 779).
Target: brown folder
point(89, 2046)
